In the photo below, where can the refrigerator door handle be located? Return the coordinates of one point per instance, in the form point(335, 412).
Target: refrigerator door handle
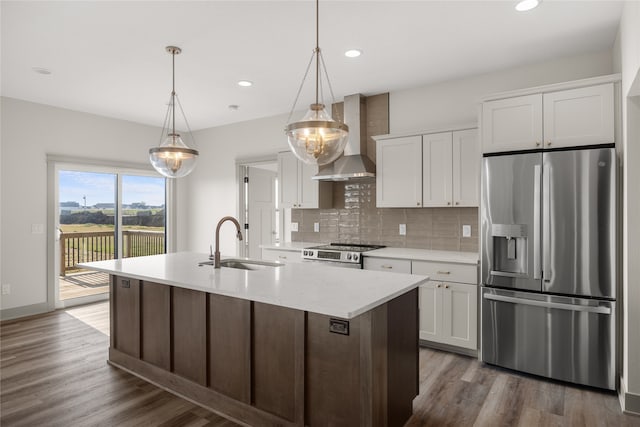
point(545, 304)
point(546, 223)
point(537, 270)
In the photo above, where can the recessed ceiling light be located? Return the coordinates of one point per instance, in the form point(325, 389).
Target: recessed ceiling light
point(233, 107)
point(353, 53)
point(245, 83)
point(525, 5)
point(41, 70)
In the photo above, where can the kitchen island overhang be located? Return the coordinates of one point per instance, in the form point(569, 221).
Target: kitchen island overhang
point(299, 344)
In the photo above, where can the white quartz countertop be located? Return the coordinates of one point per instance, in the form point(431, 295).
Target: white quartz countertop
point(425, 255)
point(332, 291)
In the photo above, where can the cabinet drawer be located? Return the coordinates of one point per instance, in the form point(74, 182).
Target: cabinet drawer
point(282, 256)
point(449, 272)
point(387, 264)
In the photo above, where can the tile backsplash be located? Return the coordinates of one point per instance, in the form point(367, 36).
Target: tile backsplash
point(355, 219)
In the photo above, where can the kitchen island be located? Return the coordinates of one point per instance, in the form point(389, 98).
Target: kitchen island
point(297, 344)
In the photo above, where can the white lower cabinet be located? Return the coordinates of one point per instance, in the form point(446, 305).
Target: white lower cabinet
point(387, 264)
point(281, 255)
point(448, 310)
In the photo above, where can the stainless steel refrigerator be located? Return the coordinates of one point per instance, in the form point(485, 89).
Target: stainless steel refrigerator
point(549, 264)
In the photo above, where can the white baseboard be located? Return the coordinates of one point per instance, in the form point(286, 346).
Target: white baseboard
point(630, 402)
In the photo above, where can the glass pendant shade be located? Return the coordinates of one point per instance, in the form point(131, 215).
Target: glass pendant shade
point(173, 158)
point(317, 138)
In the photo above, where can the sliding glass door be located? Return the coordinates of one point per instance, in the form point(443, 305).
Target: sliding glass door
point(103, 215)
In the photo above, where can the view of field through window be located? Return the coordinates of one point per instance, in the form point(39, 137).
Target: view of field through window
point(88, 209)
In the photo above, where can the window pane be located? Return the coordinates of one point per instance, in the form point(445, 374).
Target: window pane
point(143, 215)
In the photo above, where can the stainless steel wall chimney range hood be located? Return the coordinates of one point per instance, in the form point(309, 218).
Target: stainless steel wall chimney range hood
point(354, 163)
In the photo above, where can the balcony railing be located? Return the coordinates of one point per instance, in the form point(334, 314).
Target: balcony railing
point(76, 248)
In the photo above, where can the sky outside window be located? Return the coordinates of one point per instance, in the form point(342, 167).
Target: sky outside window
point(100, 188)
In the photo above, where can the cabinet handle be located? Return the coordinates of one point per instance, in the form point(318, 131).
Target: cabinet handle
point(548, 142)
point(448, 203)
point(418, 204)
point(282, 257)
point(444, 272)
point(439, 285)
point(387, 266)
point(446, 286)
point(457, 203)
point(537, 143)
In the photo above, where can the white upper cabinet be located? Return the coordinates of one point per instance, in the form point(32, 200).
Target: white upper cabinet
point(583, 116)
point(466, 168)
point(296, 188)
point(437, 178)
point(399, 172)
point(512, 124)
point(560, 118)
point(432, 170)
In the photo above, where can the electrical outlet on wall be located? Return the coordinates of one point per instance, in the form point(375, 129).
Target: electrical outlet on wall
point(466, 231)
point(316, 227)
point(402, 229)
point(6, 289)
point(294, 226)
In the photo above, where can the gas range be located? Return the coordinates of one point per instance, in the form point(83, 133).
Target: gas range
point(339, 254)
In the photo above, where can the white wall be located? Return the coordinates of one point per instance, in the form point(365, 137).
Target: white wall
point(628, 60)
point(456, 102)
point(30, 132)
point(212, 187)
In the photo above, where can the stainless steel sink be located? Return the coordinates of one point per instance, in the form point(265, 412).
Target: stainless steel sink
point(244, 264)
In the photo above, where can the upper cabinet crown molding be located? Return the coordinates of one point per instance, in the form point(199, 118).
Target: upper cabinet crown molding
point(573, 84)
point(461, 126)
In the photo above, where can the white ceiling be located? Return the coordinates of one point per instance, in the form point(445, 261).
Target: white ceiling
point(108, 57)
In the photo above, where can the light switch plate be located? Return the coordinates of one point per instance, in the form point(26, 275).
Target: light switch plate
point(403, 229)
point(466, 231)
point(37, 228)
point(316, 227)
point(6, 289)
point(294, 226)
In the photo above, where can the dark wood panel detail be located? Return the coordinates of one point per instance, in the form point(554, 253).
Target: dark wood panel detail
point(373, 369)
point(210, 399)
point(189, 340)
point(230, 346)
point(156, 324)
point(278, 340)
point(127, 315)
point(403, 363)
point(332, 373)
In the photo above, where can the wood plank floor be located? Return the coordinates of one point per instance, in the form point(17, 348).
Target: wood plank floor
point(53, 372)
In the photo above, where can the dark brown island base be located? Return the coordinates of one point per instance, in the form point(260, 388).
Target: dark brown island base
point(264, 365)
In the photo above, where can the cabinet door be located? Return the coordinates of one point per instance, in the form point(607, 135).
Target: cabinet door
point(288, 179)
point(437, 155)
point(430, 311)
point(466, 168)
point(512, 124)
point(581, 116)
point(399, 172)
point(459, 314)
point(308, 196)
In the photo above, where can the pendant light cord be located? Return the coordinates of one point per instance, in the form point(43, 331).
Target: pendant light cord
point(173, 89)
point(317, 50)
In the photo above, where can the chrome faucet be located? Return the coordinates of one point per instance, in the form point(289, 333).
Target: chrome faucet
point(216, 257)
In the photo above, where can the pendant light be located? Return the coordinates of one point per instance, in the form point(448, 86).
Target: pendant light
point(173, 158)
point(316, 138)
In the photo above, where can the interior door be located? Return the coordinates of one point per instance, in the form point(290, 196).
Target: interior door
point(261, 209)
